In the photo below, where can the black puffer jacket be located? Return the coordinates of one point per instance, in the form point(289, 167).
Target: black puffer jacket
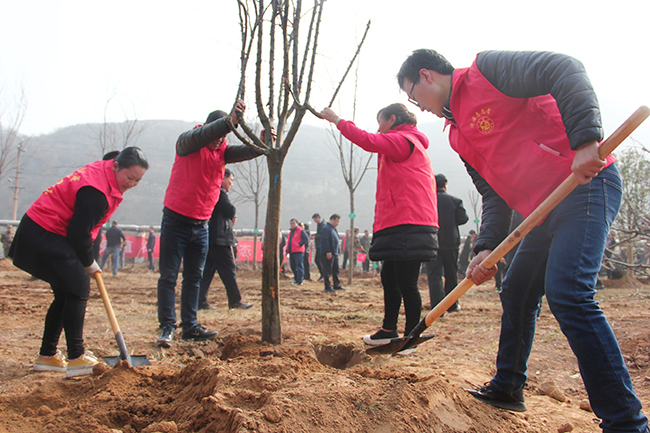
point(525, 74)
point(220, 225)
point(405, 242)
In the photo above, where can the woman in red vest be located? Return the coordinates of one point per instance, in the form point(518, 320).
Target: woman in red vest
point(406, 214)
point(54, 243)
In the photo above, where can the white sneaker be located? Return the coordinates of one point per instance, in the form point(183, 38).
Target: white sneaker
point(82, 365)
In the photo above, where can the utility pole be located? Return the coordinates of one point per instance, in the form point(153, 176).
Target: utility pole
point(16, 187)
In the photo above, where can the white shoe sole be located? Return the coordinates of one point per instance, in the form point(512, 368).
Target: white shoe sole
point(38, 366)
point(79, 371)
point(378, 342)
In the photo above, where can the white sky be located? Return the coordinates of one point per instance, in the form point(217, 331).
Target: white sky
point(179, 60)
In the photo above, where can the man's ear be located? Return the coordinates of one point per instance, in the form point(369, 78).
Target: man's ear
point(425, 74)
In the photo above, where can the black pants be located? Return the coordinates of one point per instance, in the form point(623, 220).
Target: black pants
point(51, 258)
point(150, 257)
point(318, 259)
point(331, 269)
point(305, 265)
point(445, 264)
point(400, 281)
point(221, 260)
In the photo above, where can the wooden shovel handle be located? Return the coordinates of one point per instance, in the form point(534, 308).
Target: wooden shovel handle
point(539, 213)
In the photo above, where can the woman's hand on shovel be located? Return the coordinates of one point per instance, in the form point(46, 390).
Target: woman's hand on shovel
point(477, 273)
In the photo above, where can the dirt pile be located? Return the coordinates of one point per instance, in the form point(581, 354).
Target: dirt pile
point(318, 380)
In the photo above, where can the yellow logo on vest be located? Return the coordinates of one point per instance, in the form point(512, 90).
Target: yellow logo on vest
point(482, 121)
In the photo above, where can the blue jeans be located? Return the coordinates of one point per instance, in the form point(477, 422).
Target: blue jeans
point(561, 258)
point(296, 262)
point(189, 243)
point(115, 252)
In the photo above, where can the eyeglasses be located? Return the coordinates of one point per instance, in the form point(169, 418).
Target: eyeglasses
point(411, 100)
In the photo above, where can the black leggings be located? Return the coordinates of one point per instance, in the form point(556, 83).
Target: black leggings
point(51, 258)
point(400, 281)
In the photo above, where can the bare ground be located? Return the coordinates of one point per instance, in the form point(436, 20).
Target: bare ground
point(318, 380)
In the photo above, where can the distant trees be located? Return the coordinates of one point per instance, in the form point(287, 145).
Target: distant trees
point(354, 163)
point(12, 144)
point(632, 226)
point(12, 113)
point(113, 135)
point(252, 181)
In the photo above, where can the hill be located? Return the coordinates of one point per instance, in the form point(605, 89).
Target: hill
point(312, 179)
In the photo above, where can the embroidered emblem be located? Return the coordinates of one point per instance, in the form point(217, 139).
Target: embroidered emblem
point(482, 121)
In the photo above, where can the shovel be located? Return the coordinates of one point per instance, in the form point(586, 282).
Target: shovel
point(414, 338)
point(134, 361)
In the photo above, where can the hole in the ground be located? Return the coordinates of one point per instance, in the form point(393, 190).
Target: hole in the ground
point(340, 356)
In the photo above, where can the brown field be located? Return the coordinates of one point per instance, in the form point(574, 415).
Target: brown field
point(318, 380)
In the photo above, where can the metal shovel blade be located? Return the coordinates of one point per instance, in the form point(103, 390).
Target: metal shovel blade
point(136, 361)
point(398, 344)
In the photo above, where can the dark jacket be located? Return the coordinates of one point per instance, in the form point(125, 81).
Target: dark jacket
point(524, 74)
point(319, 232)
point(195, 139)
point(220, 225)
point(151, 241)
point(329, 241)
point(114, 237)
point(405, 243)
point(451, 214)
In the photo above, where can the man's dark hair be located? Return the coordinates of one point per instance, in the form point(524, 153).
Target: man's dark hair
point(335, 216)
point(216, 114)
point(472, 232)
point(131, 156)
point(227, 173)
point(441, 180)
point(422, 59)
point(316, 215)
point(401, 113)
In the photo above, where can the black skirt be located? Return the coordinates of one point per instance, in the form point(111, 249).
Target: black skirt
point(50, 257)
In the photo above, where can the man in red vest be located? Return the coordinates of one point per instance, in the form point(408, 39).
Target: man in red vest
point(522, 122)
point(296, 249)
point(192, 193)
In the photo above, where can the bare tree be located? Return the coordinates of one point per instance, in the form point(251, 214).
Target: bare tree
point(632, 225)
point(354, 163)
point(12, 113)
point(281, 104)
point(117, 135)
point(252, 181)
point(475, 203)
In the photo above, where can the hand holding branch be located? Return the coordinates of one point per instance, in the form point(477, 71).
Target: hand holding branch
point(329, 115)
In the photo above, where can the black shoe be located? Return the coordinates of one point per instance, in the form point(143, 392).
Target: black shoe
point(198, 333)
point(206, 306)
point(320, 279)
point(240, 306)
point(339, 288)
point(454, 308)
point(494, 397)
point(166, 336)
point(329, 290)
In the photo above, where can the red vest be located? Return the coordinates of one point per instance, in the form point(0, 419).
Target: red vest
point(518, 145)
point(295, 237)
point(54, 208)
point(406, 190)
point(195, 183)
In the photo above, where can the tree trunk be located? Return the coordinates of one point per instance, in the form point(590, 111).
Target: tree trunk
point(351, 261)
point(271, 327)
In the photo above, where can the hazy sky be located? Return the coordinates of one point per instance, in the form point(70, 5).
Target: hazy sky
point(179, 60)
